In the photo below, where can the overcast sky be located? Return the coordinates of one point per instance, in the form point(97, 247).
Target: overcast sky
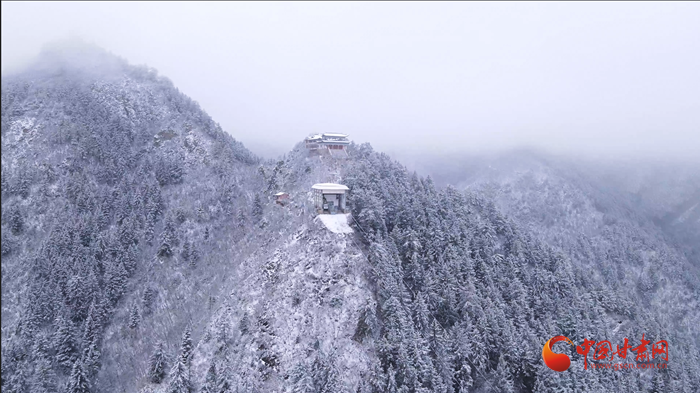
point(411, 78)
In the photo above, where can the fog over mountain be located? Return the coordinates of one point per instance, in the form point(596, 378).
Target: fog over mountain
point(414, 79)
point(165, 235)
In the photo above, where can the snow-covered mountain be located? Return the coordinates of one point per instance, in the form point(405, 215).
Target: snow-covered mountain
point(633, 224)
point(142, 252)
point(114, 186)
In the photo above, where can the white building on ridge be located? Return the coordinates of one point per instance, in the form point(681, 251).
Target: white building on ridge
point(333, 143)
point(330, 198)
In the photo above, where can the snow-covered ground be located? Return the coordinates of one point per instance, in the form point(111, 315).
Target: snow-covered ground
point(336, 223)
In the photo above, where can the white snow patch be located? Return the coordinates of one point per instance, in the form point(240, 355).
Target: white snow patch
point(336, 223)
point(24, 129)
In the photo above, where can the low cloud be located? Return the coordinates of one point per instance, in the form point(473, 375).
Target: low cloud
point(614, 80)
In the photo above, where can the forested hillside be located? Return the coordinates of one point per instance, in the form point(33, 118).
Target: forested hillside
point(116, 188)
point(142, 252)
point(483, 291)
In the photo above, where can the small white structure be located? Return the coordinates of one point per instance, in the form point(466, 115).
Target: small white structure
point(330, 198)
point(281, 198)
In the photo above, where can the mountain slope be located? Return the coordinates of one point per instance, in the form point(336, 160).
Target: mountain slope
point(606, 219)
point(108, 172)
point(584, 302)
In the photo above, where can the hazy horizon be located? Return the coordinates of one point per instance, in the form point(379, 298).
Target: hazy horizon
point(414, 79)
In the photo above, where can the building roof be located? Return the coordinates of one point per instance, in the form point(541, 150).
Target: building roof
point(336, 135)
point(281, 193)
point(331, 187)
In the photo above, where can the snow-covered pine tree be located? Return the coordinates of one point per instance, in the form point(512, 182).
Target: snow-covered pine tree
point(93, 324)
point(242, 218)
point(257, 212)
point(211, 383)
point(503, 380)
point(16, 220)
point(91, 359)
point(324, 374)
point(78, 381)
point(167, 239)
point(180, 377)
point(658, 385)
point(301, 380)
point(45, 379)
point(134, 317)
point(115, 280)
point(391, 385)
point(190, 253)
point(17, 382)
point(64, 343)
point(180, 381)
point(157, 364)
point(185, 253)
point(148, 299)
point(225, 378)
point(186, 345)
point(194, 255)
point(223, 331)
